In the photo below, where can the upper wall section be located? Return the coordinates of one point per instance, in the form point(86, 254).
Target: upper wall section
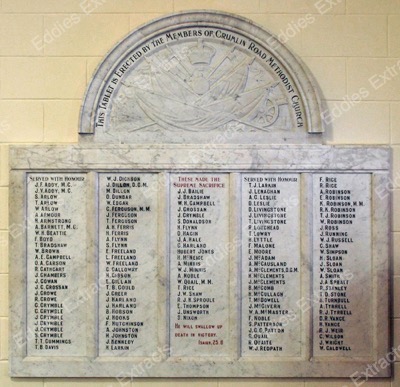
point(201, 77)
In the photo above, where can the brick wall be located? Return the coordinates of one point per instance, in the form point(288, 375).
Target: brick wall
point(50, 48)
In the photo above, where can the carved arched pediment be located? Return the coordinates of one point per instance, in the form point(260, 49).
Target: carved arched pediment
point(201, 77)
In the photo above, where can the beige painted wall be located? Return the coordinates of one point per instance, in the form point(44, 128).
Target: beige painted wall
point(50, 48)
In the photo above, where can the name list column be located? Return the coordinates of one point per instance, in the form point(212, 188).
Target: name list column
point(56, 250)
point(342, 265)
point(271, 319)
point(199, 264)
point(128, 219)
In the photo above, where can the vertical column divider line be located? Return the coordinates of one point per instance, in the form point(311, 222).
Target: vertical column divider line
point(92, 252)
point(165, 244)
point(306, 257)
point(235, 209)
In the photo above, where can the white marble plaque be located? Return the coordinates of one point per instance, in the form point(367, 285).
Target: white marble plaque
point(186, 234)
point(199, 264)
point(342, 265)
point(128, 219)
point(56, 259)
point(271, 319)
point(253, 262)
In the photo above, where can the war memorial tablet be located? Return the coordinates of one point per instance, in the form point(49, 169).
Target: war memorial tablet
point(200, 228)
